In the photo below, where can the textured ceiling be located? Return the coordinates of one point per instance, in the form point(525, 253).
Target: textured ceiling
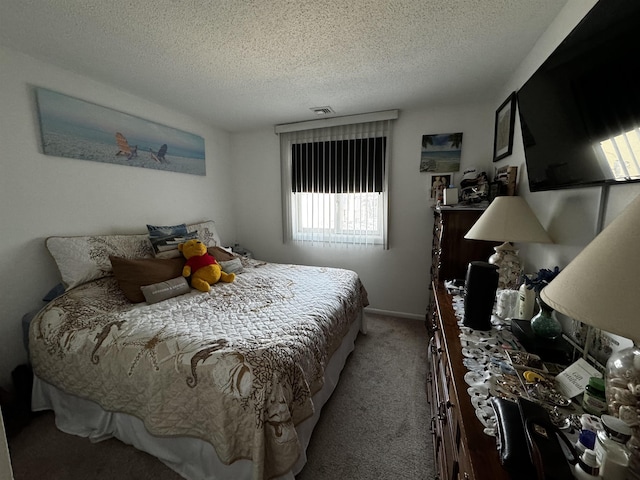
point(240, 64)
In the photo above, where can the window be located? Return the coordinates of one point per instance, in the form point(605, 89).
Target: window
point(335, 184)
point(621, 155)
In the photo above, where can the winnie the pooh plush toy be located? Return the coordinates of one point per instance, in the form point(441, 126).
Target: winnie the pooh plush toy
point(201, 266)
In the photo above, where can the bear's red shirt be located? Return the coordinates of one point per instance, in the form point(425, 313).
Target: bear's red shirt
point(198, 262)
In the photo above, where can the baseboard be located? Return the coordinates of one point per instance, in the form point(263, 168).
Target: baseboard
point(389, 313)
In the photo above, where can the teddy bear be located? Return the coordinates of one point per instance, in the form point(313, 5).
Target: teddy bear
point(202, 266)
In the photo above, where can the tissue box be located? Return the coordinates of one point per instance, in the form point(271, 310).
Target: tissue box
point(450, 196)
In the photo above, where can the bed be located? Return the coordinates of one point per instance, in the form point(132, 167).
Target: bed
point(222, 385)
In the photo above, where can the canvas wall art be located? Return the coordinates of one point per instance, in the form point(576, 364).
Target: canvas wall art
point(74, 128)
point(441, 152)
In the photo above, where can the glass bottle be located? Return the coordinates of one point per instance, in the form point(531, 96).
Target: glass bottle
point(545, 324)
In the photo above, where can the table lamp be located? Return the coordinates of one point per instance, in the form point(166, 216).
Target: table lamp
point(600, 288)
point(508, 219)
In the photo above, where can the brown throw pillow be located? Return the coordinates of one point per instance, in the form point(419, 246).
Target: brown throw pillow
point(220, 254)
point(132, 274)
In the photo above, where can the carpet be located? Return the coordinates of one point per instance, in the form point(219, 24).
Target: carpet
point(375, 425)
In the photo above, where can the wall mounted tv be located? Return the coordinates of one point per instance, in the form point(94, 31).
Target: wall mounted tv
point(580, 111)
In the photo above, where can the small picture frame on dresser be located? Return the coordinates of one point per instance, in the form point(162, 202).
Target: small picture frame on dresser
point(438, 184)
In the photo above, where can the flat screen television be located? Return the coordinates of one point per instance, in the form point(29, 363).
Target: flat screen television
point(580, 111)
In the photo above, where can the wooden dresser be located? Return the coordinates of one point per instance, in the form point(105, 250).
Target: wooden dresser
point(462, 450)
point(450, 251)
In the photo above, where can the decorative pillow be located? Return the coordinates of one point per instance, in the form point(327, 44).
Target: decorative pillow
point(132, 274)
point(54, 293)
point(229, 262)
point(163, 290)
point(232, 266)
point(207, 233)
point(85, 258)
point(220, 254)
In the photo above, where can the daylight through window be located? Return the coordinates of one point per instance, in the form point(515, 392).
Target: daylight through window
point(335, 184)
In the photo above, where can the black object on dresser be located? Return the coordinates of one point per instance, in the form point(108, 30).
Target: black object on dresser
point(479, 294)
point(554, 351)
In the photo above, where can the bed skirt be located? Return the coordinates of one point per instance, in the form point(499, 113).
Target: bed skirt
point(192, 458)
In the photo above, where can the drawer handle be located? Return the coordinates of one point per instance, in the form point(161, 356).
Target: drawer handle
point(442, 408)
point(432, 347)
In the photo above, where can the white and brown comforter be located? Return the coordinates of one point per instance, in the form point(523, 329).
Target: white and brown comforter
point(236, 367)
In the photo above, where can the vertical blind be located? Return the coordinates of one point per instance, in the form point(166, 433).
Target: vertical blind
point(339, 166)
point(334, 182)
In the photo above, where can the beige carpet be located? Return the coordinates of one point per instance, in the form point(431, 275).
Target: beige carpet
point(375, 426)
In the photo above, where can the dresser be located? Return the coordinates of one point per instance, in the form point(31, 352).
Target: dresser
point(462, 450)
point(450, 251)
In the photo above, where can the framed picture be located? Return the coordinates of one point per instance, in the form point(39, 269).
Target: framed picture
point(438, 184)
point(441, 152)
point(74, 128)
point(503, 135)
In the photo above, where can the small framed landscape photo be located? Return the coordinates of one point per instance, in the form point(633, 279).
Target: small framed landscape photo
point(503, 134)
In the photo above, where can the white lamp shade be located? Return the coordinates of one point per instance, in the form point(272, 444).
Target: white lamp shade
point(600, 287)
point(508, 219)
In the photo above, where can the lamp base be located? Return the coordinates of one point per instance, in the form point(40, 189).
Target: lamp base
point(623, 395)
point(509, 266)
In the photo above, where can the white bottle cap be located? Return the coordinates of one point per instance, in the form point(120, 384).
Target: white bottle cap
point(589, 463)
point(589, 458)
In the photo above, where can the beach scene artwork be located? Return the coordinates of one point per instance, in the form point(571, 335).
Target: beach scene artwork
point(74, 128)
point(441, 152)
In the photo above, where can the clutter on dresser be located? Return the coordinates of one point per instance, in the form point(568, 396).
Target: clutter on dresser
point(506, 179)
point(502, 374)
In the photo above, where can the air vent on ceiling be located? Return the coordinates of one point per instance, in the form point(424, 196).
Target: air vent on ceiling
point(322, 110)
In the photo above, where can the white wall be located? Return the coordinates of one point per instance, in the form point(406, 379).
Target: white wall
point(42, 195)
point(397, 279)
point(6, 472)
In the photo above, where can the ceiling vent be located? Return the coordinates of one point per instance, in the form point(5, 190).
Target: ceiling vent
point(322, 110)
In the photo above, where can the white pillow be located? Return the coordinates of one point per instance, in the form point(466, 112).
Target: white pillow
point(232, 266)
point(85, 258)
point(207, 233)
point(82, 259)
